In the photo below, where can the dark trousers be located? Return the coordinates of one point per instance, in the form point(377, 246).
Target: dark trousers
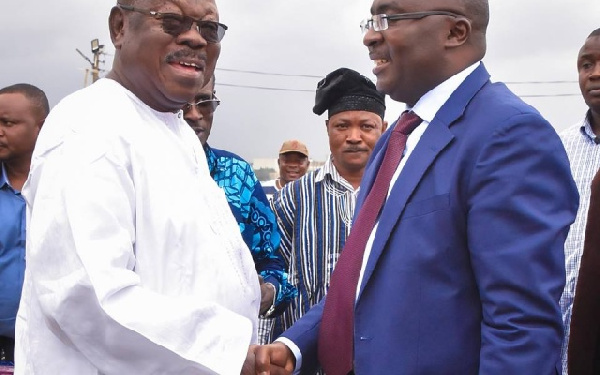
point(7, 347)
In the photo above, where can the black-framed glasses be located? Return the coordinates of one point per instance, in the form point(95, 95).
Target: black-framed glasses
point(204, 105)
point(175, 24)
point(379, 22)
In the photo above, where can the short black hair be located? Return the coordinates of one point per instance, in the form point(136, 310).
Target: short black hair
point(594, 33)
point(36, 96)
point(479, 13)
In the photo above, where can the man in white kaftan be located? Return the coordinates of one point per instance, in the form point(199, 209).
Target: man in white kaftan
point(135, 264)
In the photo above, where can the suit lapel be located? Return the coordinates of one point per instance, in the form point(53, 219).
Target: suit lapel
point(436, 138)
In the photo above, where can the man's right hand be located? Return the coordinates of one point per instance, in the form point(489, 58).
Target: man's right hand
point(273, 359)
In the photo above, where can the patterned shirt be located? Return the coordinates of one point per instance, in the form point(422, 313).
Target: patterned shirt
point(583, 148)
point(257, 223)
point(270, 188)
point(254, 216)
point(314, 214)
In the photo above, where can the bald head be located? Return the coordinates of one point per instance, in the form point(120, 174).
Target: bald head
point(594, 33)
point(478, 14)
point(413, 60)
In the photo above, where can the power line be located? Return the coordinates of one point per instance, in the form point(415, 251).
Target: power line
point(269, 74)
point(538, 82)
point(316, 76)
point(547, 95)
point(263, 88)
point(312, 91)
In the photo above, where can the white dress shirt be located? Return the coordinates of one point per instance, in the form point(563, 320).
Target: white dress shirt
point(135, 264)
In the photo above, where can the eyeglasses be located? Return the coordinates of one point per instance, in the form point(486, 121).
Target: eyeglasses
point(380, 22)
point(204, 105)
point(176, 24)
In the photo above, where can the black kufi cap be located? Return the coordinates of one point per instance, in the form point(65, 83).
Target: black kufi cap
point(347, 90)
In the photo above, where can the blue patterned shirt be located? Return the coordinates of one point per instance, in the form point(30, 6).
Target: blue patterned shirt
point(251, 209)
point(583, 149)
point(12, 253)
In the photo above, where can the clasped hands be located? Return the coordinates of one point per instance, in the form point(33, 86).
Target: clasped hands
point(272, 359)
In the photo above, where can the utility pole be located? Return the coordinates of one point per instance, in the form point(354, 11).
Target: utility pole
point(97, 50)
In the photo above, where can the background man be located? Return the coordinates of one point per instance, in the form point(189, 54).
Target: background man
point(135, 264)
point(293, 163)
point(23, 108)
point(455, 263)
point(314, 213)
point(250, 207)
point(583, 148)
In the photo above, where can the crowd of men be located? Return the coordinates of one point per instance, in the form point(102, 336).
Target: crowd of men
point(436, 245)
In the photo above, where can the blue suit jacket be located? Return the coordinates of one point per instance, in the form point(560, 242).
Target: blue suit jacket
point(467, 265)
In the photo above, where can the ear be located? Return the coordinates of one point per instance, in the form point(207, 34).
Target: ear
point(116, 26)
point(460, 32)
point(384, 126)
point(40, 124)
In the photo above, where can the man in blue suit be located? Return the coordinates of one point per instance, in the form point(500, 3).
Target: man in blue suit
point(463, 271)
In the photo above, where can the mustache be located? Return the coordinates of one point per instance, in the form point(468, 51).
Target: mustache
point(195, 127)
point(355, 149)
point(185, 53)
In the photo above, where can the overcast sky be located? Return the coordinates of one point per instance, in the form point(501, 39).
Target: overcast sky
point(532, 45)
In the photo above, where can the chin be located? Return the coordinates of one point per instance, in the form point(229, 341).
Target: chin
point(183, 89)
point(384, 86)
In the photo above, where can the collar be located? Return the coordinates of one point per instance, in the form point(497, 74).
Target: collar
point(3, 177)
point(211, 158)
point(328, 169)
point(430, 103)
point(586, 128)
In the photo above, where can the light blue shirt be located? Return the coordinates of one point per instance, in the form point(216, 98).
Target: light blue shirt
point(583, 149)
point(12, 253)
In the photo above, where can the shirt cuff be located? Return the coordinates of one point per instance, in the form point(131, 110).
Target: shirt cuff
point(295, 350)
point(271, 309)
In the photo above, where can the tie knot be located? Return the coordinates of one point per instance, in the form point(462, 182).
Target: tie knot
point(407, 123)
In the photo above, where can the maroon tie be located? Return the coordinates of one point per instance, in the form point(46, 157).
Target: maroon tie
point(337, 323)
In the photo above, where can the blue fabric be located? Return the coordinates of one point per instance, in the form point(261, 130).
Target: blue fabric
point(467, 265)
point(12, 254)
point(251, 209)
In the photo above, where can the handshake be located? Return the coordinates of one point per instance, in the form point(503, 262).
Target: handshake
point(272, 359)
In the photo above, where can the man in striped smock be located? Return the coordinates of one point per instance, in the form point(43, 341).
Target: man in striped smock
point(314, 212)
